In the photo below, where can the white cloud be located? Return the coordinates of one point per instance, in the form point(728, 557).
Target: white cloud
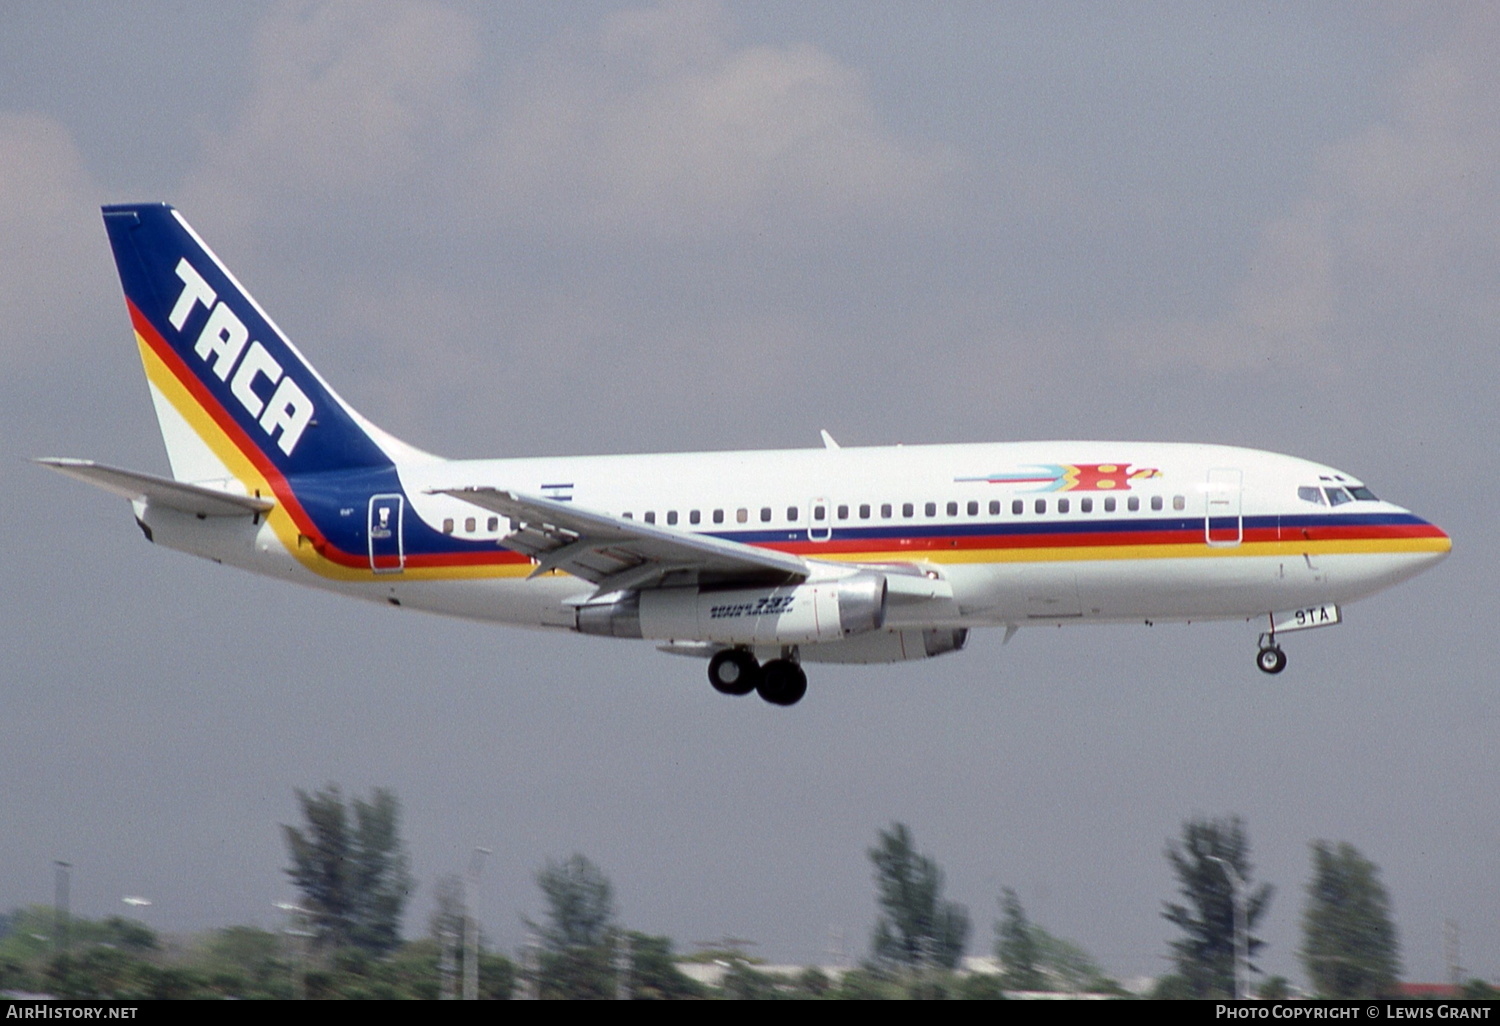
point(1395, 218)
point(347, 102)
point(660, 122)
point(50, 230)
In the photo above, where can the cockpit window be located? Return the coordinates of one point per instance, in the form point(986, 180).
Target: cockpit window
point(1362, 493)
point(1337, 496)
point(1310, 495)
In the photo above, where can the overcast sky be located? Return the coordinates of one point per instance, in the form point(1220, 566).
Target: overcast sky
point(519, 229)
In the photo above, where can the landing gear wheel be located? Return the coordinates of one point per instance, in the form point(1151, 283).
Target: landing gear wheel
point(782, 682)
point(734, 671)
point(1271, 659)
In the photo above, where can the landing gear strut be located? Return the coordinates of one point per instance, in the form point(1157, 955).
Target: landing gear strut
point(734, 671)
point(1270, 658)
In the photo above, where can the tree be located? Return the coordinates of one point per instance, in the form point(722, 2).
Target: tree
point(1349, 945)
point(916, 927)
point(577, 939)
point(1034, 959)
point(1205, 955)
point(353, 876)
point(1016, 946)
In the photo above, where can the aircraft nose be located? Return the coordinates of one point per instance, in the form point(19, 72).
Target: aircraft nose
point(1438, 543)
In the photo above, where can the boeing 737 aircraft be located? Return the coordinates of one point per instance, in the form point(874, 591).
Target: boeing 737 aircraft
point(758, 562)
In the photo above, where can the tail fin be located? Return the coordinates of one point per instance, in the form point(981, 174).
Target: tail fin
point(234, 398)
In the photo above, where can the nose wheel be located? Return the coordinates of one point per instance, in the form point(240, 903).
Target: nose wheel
point(1270, 658)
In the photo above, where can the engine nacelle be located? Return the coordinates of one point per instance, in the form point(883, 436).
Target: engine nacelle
point(787, 615)
point(890, 646)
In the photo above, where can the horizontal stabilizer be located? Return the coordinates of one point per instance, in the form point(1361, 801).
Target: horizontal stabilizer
point(159, 491)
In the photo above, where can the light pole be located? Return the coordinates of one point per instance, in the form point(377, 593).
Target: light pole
point(471, 926)
point(1241, 929)
point(60, 910)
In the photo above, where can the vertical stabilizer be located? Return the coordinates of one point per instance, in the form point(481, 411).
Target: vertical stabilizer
point(234, 398)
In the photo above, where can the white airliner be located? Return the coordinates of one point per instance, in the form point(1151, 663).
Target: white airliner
point(757, 561)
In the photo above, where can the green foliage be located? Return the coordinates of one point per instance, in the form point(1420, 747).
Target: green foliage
point(1016, 946)
point(867, 985)
point(981, 987)
point(1274, 988)
point(1204, 956)
point(246, 962)
point(916, 926)
point(654, 975)
point(129, 934)
point(580, 904)
point(744, 983)
point(1478, 990)
point(353, 874)
point(813, 983)
point(1069, 966)
point(577, 961)
point(1349, 945)
point(1172, 987)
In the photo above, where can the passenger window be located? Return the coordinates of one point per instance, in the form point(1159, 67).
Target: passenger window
point(907, 509)
point(843, 512)
point(791, 514)
point(470, 524)
point(765, 514)
point(671, 516)
point(493, 524)
point(953, 509)
point(1156, 502)
point(447, 525)
point(819, 512)
point(885, 510)
point(718, 516)
point(628, 516)
point(694, 516)
point(930, 509)
point(650, 516)
point(1017, 507)
point(994, 507)
point(1062, 505)
point(1041, 505)
point(1179, 502)
point(1337, 496)
point(864, 511)
point(1133, 503)
point(1109, 504)
point(1085, 505)
point(973, 508)
point(742, 515)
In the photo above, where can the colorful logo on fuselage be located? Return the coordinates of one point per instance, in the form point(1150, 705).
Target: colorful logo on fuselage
point(1071, 477)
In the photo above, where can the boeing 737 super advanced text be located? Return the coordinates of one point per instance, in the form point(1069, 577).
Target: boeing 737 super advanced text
point(758, 562)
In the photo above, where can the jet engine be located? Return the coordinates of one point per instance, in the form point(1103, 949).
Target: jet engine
point(788, 615)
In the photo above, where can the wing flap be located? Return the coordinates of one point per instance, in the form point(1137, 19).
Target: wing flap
point(159, 491)
point(615, 553)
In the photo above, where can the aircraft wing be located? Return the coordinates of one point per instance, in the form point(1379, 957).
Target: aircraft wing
point(617, 554)
point(159, 491)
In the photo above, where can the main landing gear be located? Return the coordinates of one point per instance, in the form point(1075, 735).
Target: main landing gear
point(1270, 658)
point(734, 671)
